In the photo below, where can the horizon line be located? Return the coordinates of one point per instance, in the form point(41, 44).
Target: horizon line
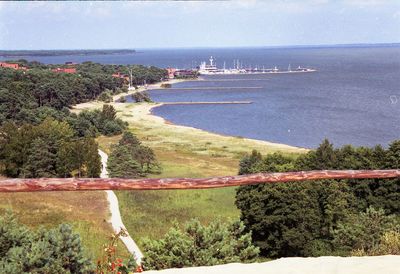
point(220, 47)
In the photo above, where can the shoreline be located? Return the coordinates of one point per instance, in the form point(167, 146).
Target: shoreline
point(147, 109)
point(143, 113)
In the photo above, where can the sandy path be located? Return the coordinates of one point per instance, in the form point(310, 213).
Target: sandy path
point(116, 220)
point(389, 264)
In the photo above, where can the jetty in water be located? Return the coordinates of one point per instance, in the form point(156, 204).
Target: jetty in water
point(209, 103)
point(213, 88)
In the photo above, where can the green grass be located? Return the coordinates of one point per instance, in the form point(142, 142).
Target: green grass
point(87, 212)
point(152, 213)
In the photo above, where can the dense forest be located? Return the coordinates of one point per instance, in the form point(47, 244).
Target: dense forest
point(26, 96)
point(40, 136)
point(326, 217)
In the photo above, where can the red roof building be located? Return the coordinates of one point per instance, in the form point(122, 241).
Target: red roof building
point(8, 65)
point(64, 70)
point(120, 75)
point(12, 66)
point(171, 73)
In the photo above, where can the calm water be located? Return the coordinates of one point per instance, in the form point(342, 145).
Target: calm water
point(354, 98)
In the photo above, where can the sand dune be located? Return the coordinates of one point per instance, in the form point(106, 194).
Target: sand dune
point(388, 264)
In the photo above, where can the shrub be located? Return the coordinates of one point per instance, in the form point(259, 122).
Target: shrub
point(141, 97)
point(364, 231)
point(198, 245)
point(105, 96)
point(56, 250)
point(166, 85)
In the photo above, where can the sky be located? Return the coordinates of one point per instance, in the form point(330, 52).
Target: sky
point(171, 24)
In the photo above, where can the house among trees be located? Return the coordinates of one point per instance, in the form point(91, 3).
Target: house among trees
point(64, 70)
point(121, 76)
point(12, 66)
point(171, 73)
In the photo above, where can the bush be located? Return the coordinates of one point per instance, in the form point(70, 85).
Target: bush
point(105, 96)
point(141, 97)
point(197, 245)
point(364, 231)
point(56, 250)
point(166, 85)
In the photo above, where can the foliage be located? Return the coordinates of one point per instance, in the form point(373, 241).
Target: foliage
point(105, 96)
point(109, 263)
point(141, 97)
point(364, 231)
point(299, 219)
point(94, 122)
point(23, 93)
point(45, 251)
point(198, 245)
point(49, 149)
point(130, 159)
point(389, 244)
point(166, 85)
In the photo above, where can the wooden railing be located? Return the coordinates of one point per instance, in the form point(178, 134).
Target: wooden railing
point(77, 184)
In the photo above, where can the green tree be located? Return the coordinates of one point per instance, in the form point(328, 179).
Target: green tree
point(130, 159)
point(41, 162)
point(56, 250)
point(364, 231)
point(122, 164)
point(108, 113)
point(198, 245)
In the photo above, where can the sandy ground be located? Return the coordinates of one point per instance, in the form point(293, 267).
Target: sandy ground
point(388, 264)
point(116, 220)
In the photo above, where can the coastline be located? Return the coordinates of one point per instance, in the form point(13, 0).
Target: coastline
point(141, 116)
point(147, 111)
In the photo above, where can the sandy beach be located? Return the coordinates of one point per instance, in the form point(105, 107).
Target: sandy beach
point(388, 264)
point(143, 113)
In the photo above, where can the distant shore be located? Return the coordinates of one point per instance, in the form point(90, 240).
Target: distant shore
point(46, 53)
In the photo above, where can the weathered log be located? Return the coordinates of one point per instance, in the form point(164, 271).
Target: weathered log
point(76, 184)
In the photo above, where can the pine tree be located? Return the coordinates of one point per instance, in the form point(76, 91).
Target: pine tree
point(122, 164)
point(56, 250)
point(198, 245)
point(41, 160)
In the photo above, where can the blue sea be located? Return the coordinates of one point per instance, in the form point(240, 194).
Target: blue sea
point(353, 98)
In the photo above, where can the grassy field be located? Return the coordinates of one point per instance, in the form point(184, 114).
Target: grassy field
point(86, 211)
point(182, 152)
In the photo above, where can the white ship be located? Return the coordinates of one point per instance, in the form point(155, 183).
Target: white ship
point(212, 69)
